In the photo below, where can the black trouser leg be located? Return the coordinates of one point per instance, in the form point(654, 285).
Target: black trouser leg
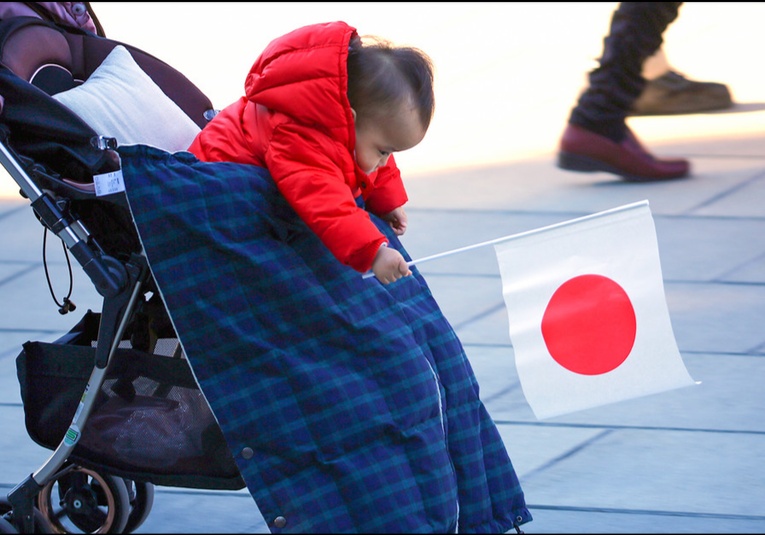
point(635, 34)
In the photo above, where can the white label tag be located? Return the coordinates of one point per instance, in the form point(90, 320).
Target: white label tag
point(108, 183)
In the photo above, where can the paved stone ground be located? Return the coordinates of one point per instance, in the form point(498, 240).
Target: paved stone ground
point(684, 461)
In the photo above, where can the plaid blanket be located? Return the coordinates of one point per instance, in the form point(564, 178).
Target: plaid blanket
point(349, 405)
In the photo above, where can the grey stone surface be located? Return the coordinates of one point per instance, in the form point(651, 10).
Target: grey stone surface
point(682, 461)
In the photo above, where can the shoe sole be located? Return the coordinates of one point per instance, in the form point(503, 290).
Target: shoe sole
point(679, 110)
point(584, 164)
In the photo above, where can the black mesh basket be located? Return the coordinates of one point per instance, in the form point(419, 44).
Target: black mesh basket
point(150, 423)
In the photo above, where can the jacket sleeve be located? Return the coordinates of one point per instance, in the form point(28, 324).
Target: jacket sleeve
point(307, 168)
point(389, 192)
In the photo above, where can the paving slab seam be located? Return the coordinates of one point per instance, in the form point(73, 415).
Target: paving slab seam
point(751, 262)
point(568, 453)
point(243, 493)
point(14, 207)
point(741, 186)
point(613, 427)
point(564, 215)
point(18, 274)
point(650, 512)
point(477, 317)
point(493, 345)
point(23, 330)
point(458, 275)
point(488, 400)
point(748, 353)
point(706, 218)
point(717, 281)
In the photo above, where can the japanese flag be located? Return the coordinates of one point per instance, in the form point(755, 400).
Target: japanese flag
point(587, 313)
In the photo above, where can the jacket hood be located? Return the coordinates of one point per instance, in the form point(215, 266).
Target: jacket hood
point(304, 75)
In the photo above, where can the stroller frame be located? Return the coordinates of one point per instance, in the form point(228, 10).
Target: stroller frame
point(121, 278)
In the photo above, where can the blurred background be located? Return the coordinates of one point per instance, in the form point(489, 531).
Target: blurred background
point(507, 73)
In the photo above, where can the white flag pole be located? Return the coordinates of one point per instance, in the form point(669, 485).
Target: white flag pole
point(369, 274)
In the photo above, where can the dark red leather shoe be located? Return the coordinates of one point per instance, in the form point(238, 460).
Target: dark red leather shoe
point(585, 151)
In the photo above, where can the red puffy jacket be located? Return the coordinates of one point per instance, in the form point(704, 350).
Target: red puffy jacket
point(295, 120)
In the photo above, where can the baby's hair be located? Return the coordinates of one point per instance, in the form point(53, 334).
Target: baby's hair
point(382, 76)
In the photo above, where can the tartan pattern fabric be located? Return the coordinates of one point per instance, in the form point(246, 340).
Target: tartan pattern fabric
point(349, 406)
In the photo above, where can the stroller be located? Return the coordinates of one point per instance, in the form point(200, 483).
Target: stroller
point(114, 398)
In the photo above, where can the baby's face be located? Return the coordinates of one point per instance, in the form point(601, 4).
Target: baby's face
point(377, 140)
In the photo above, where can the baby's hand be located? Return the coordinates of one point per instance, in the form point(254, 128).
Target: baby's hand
point(397, 220)
point(389, 266)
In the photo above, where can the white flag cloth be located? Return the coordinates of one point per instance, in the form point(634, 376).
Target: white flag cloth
point(587, 313)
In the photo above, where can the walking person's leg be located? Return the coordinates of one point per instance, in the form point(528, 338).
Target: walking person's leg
point(597, 137)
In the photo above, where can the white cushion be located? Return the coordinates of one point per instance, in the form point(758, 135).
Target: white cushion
point(119, 100)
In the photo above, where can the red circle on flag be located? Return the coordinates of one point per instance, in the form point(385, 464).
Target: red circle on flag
point(589, 325)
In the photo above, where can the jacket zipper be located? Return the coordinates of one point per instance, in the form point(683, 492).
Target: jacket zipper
point(443, 431)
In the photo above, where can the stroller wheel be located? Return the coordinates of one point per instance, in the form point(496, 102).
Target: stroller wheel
point(141, 495)
point(6, 519)
point(85, 502)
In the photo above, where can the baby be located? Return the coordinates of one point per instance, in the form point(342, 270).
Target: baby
point(324, 113)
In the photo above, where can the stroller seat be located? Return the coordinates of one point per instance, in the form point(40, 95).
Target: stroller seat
point(39, 59)
point(55, 58)
point(109, 371)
